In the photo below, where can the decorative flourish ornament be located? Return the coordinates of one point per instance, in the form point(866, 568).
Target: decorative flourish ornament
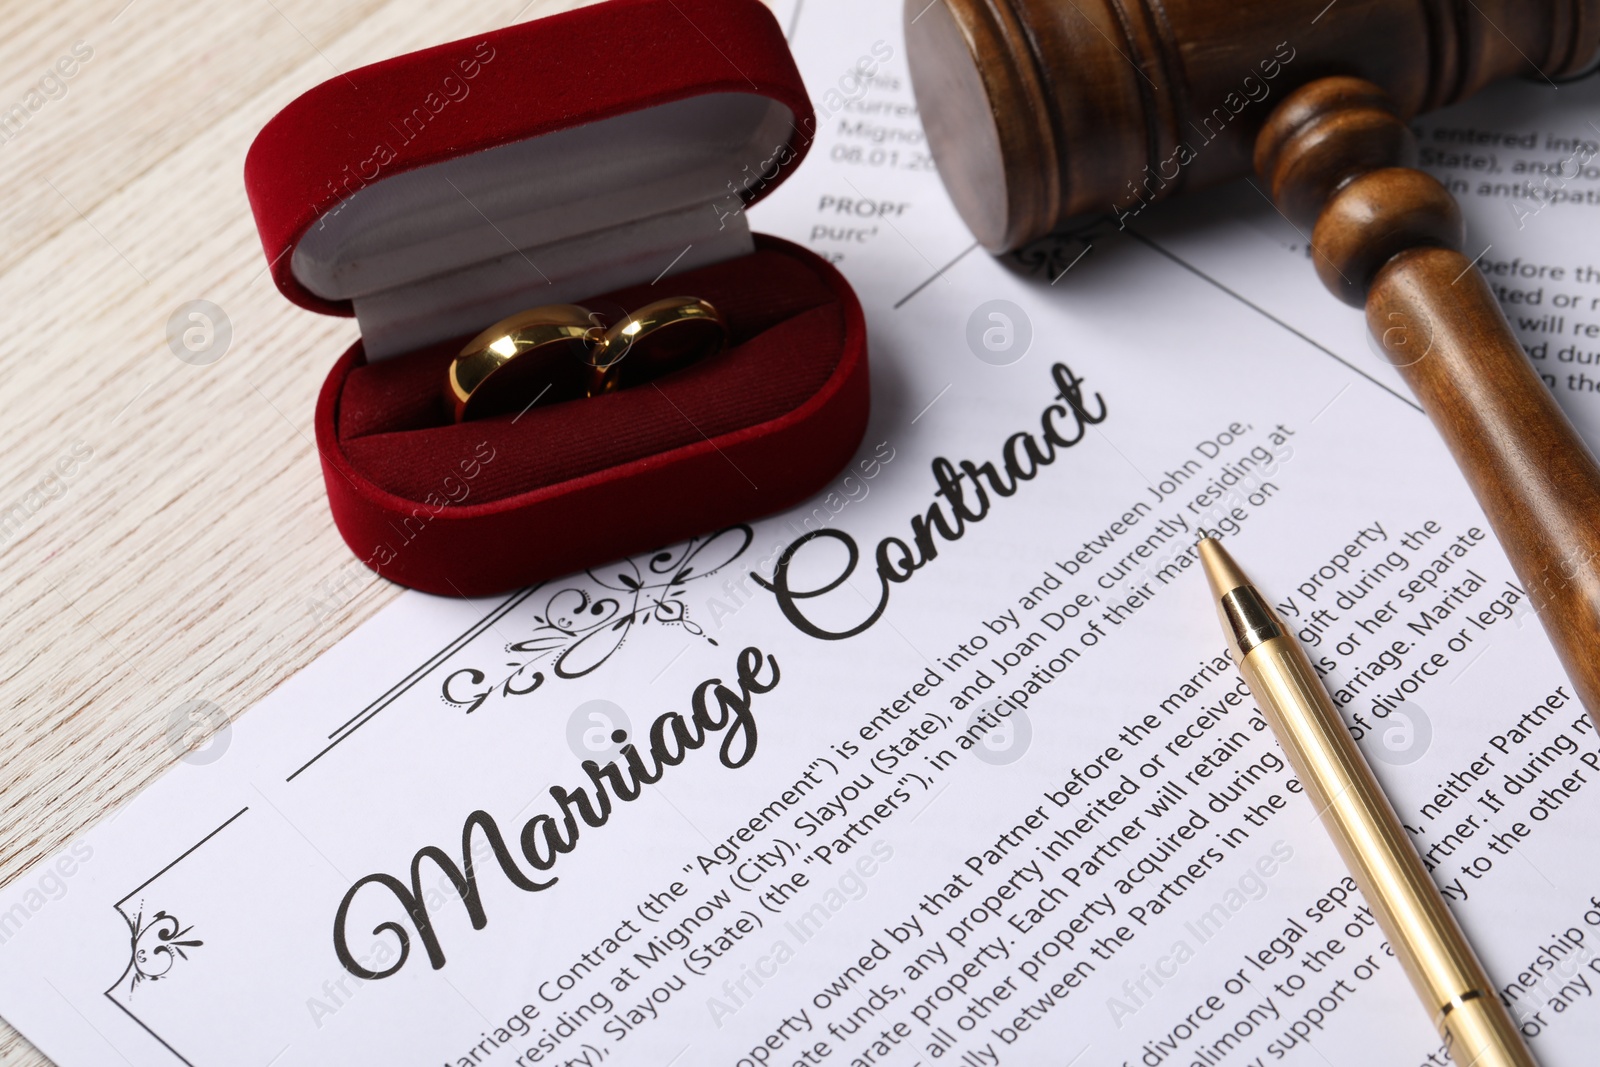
point(156, 945)
point(581, 621)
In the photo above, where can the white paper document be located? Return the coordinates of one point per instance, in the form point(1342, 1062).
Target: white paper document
point(946, 766)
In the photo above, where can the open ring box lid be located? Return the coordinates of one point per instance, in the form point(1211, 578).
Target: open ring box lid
point(602, 156)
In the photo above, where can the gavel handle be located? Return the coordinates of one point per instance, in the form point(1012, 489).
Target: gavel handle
point(1337, 153)
point(1534, 477)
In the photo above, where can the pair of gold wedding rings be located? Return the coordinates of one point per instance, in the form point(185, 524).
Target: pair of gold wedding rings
point(564, 351)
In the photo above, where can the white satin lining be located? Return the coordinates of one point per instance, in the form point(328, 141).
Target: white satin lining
point(449, 248)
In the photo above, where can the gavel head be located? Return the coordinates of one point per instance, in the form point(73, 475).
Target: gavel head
point(1040, 111)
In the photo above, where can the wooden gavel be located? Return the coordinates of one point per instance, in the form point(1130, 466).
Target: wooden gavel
point(1042, 111)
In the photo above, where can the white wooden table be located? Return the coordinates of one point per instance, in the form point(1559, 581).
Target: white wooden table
point(190, 556)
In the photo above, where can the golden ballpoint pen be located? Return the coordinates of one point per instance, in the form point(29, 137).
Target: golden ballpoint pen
point(1430, 945)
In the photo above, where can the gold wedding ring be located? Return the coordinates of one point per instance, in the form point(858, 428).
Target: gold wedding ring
point(533, 353)
point(563, 351)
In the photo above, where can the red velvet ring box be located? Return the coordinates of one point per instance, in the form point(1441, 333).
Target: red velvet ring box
point(604, 157)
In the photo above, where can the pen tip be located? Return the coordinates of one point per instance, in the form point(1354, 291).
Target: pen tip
point(1221, 571)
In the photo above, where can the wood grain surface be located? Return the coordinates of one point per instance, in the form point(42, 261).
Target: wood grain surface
point(1040, 111)
point(190, 556)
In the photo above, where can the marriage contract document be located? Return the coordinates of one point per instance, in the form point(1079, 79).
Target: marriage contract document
point(946, 766)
